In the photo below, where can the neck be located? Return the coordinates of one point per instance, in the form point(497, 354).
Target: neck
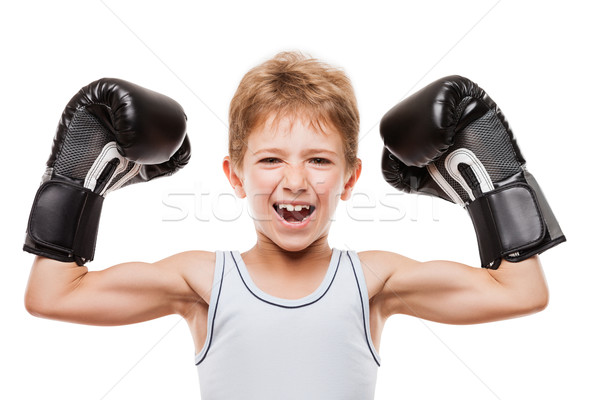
point(269, 252)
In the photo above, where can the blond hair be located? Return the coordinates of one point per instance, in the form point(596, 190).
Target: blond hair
point(292, 84)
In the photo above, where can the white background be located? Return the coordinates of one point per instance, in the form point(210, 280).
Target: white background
point(537, 60)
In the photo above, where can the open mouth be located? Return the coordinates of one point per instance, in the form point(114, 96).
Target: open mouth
point(293, 213)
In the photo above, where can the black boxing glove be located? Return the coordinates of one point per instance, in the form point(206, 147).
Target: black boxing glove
point(451, 140)
point(111, 134)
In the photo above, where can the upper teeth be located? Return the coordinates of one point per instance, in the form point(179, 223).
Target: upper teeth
point(291, 207)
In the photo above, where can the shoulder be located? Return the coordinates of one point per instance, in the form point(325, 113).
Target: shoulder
point(384, 258)
point(196, 267)
point(379, 266)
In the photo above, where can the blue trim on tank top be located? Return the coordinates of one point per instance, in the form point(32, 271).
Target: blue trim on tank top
point(365, 313)
point(288, 303)
point(209, 336)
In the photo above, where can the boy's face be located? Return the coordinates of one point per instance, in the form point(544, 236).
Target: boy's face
point(293, 176)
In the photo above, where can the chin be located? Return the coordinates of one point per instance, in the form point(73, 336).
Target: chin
point(293, 247)
point(298, 244)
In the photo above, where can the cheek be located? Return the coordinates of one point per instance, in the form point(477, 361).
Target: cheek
point(326, 183)
point(261, 183)
point(267, 178)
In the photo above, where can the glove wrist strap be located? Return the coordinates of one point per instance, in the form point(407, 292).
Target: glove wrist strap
point(63, 224)
point(508, 223)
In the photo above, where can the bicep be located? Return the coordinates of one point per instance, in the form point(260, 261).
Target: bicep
point(127, 293)
point(453, 293)
point(123, 294)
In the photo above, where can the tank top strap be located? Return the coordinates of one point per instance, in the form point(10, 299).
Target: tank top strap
point(213, 304)
point(361, 282)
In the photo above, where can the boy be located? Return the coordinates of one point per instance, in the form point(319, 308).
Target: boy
point(291, 317)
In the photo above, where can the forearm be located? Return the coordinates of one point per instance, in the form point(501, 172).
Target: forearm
point(524, 283)
point(49, 282)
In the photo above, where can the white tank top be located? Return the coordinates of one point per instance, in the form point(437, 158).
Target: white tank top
point(262, 347)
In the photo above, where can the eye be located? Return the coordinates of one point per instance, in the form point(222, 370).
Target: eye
point(269, 160)
point(321, 161)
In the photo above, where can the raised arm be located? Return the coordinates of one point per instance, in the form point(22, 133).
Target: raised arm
point(112, 133)
point(450, 140)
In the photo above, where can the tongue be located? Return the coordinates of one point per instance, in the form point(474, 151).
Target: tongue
point(294, 216)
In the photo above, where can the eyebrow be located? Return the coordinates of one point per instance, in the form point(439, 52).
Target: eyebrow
point(278, 150)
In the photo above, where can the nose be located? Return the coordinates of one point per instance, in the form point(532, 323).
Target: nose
point(295, 178)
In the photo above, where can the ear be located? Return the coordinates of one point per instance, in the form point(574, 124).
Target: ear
point(236, 182)
point(351, 181)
